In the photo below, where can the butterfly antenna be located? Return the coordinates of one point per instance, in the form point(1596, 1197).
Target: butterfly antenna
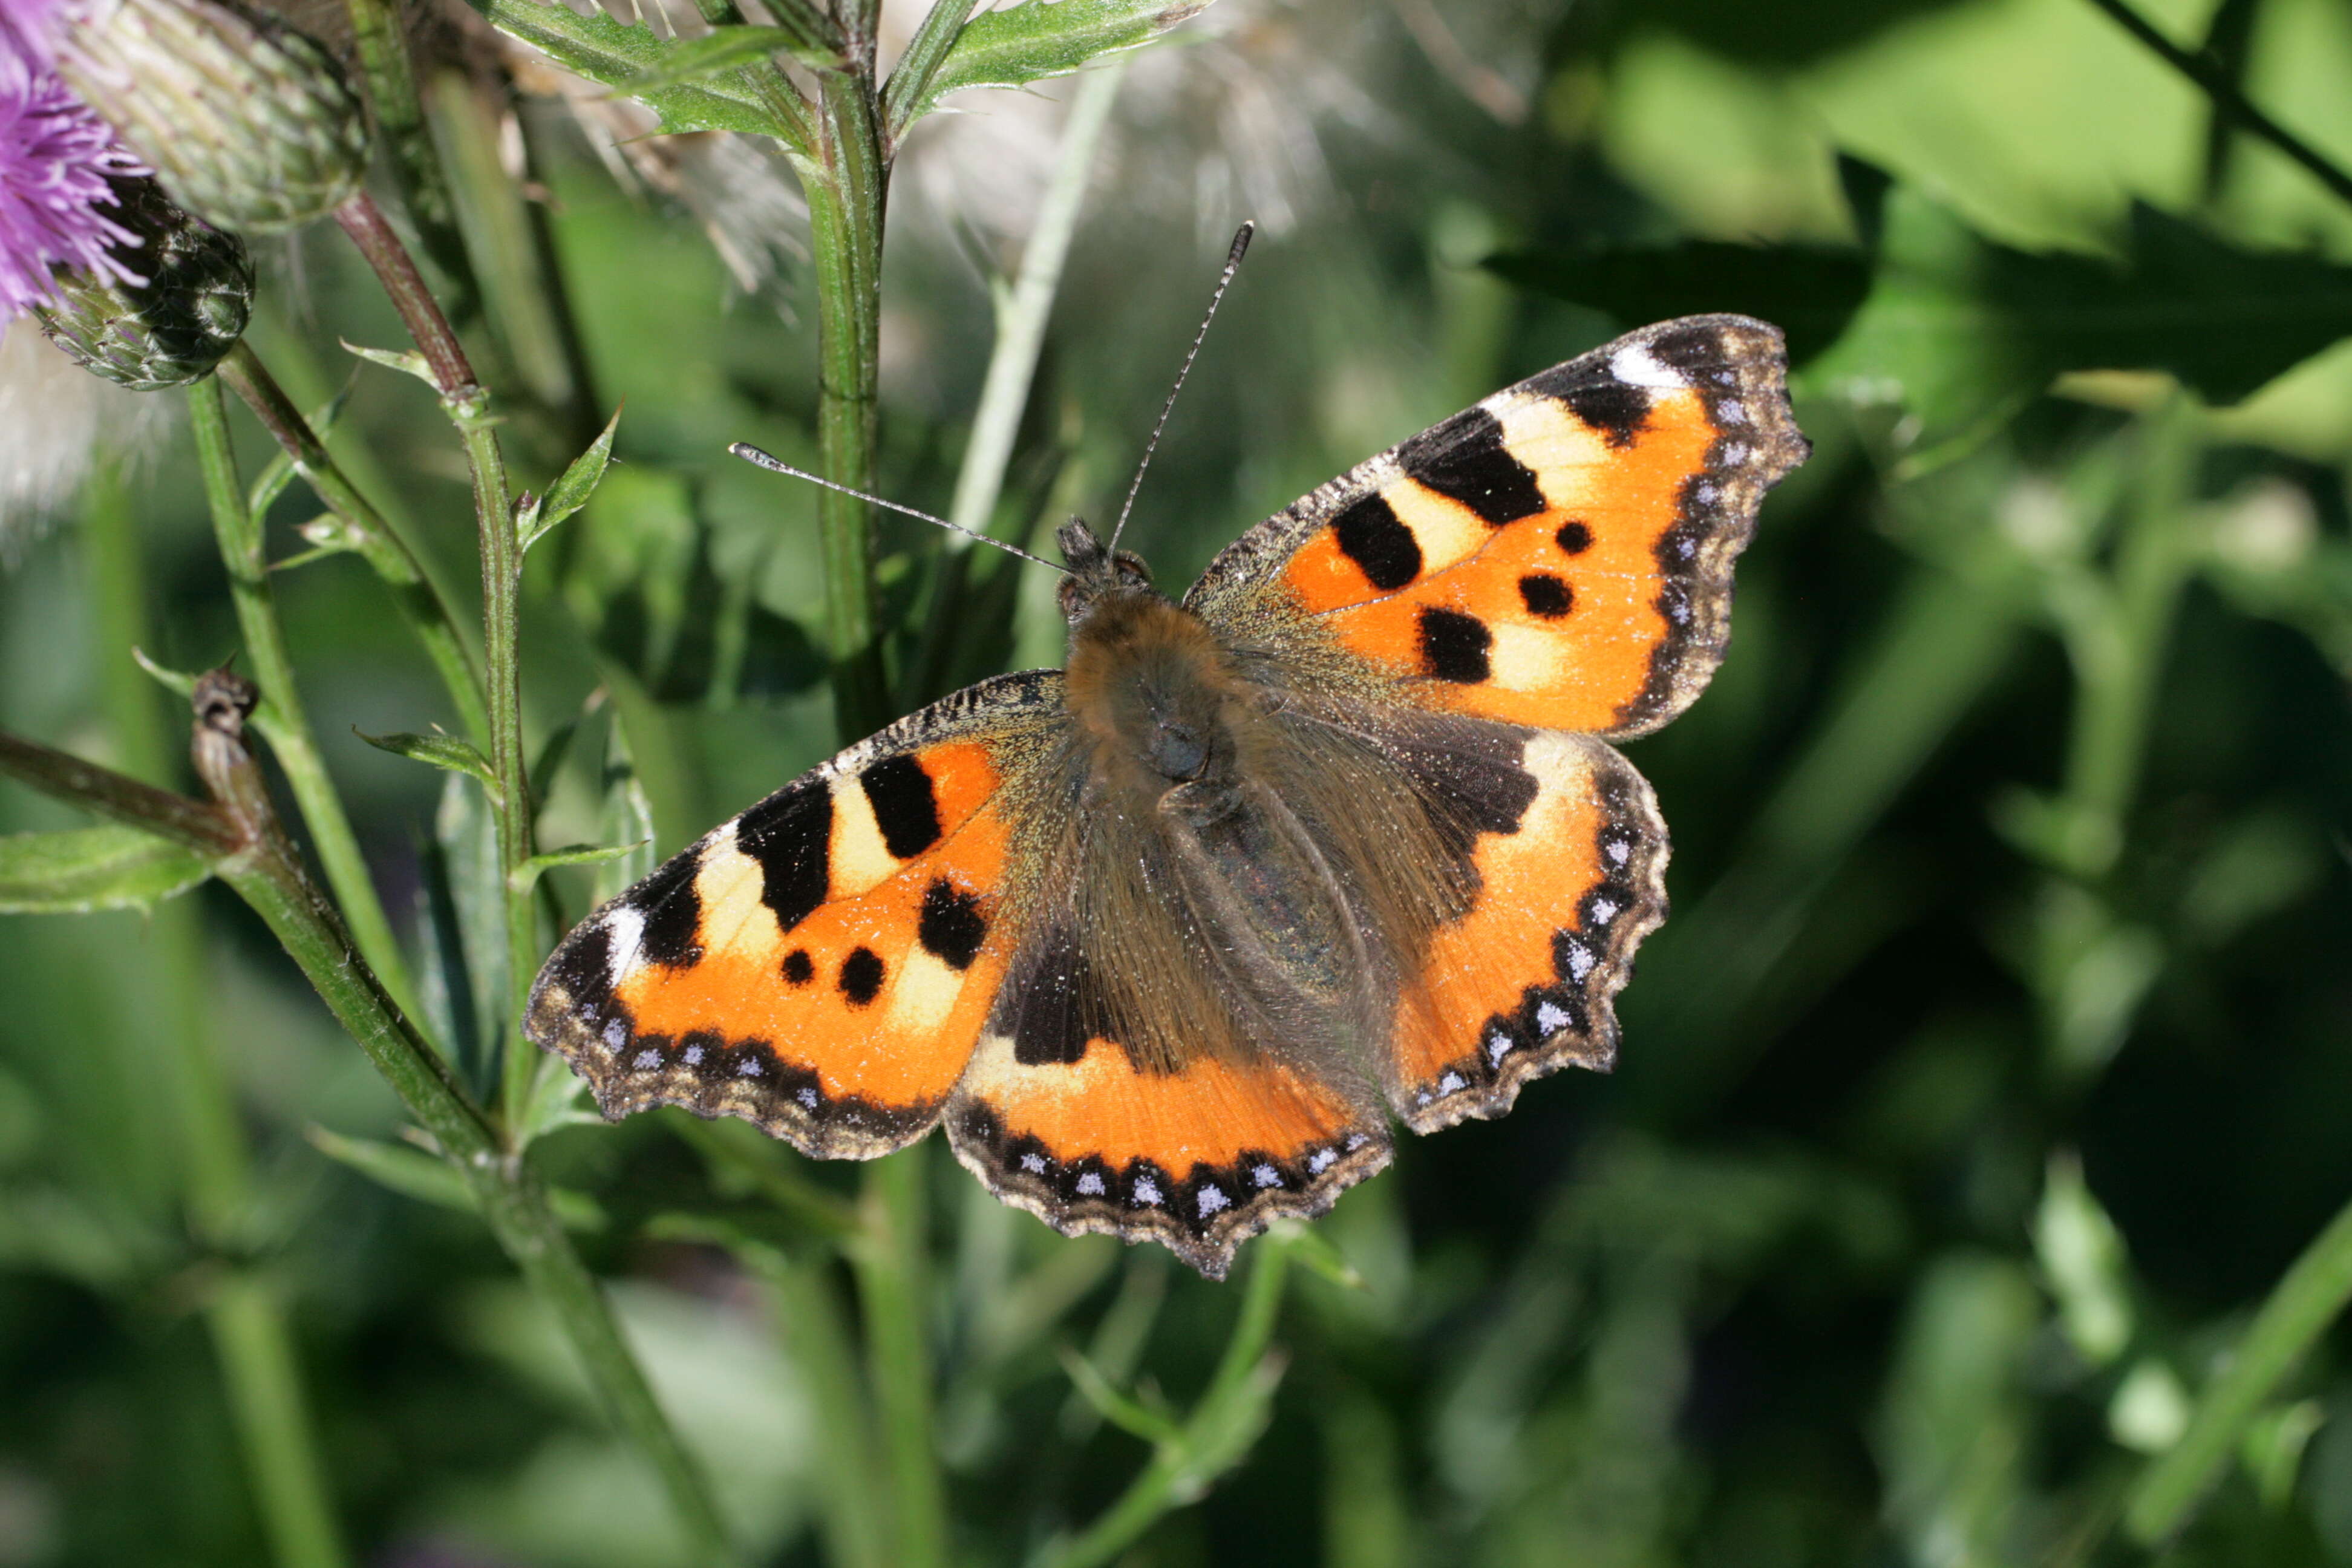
point(775, 465)
point(1224, 280)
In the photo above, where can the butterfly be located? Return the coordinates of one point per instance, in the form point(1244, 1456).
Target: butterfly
point(1168, 938)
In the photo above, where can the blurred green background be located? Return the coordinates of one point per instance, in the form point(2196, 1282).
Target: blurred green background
point(1995, 1064)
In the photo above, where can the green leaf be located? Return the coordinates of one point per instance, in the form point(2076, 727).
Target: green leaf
point(530, 870)
point(627, 817)
point(173, 681)
point(84, 868)
point(578, 483)
point(725, 49)
point(428, 1178)
point(1031, 42)
point(616, 55)
point(406, 361)
point(446, 751)
point(1962, 332)
point(281, 469)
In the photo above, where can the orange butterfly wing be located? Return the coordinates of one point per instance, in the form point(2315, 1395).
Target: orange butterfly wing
point(1559, 555)
point(822, 965)
point(1557, 558)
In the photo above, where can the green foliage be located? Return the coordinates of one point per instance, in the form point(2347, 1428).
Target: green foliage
point(81, 870)
point(1037, 40)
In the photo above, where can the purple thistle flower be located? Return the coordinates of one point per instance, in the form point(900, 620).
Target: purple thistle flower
point(55, 157)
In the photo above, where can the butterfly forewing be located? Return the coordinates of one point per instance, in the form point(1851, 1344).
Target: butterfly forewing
point(1559, 555)
point(821, 963)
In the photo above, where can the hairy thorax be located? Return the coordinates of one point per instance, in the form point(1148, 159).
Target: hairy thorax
point(1189, 751)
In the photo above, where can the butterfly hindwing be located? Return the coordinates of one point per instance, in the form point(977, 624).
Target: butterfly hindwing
point(1558, 556)
point(822, 965)
point(1523, 981)
point(1199, 1155)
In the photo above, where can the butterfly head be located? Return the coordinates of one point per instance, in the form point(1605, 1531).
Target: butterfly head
point(1096, 570)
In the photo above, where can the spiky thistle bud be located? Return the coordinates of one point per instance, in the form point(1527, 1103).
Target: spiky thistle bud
point(171, 329)
point(249, 124)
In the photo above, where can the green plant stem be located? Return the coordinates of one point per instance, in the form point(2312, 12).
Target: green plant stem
point(1022, 313)
point(925, 52)
point(846, 185)
point(888, 1259)
point(2313, 1294)
point(2212, 77)
point(467, 407)
point(381, 39)
point(116, 796)
point(247, 1323)
point(242, 1310)
point(2117, 647)
point(857, 1529)
point(284, 720)
point(1223, 1423)
point(413, 594)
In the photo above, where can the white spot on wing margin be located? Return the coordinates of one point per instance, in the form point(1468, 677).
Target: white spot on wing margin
point(1637, 366)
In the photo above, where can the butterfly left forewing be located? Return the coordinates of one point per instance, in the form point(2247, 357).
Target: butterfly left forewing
point(822, 965)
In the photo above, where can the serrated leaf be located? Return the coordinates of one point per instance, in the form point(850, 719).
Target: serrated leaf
point(615, 55)
point(1961, 331)
point(579, 481)
point(427, 1178)
point(444, 751)
point(726, 49)
point(1031, 42)
point(81, 870)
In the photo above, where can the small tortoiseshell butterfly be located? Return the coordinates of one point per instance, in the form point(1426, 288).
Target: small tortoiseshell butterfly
point(1167, 937)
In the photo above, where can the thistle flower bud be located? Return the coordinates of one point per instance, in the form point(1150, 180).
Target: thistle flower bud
point(249, 124)
point(170, 330)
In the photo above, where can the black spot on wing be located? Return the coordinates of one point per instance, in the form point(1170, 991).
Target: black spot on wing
point(904, 807)
point(951, 928)
point(673, 913)
point(1051, 1004)
point(861, 976)
point(1573, 538)
point(789, 833)
point(799, 969)
point(1546, 595)
point(1453, 647)
point(1383, 548)
point(1618, 409)
point(1464, 460)
point(584, 965)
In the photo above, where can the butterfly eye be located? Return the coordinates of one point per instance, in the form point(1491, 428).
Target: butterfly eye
point(1132, 572)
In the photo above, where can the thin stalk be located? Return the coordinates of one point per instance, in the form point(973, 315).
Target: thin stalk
point(285, 721)
point(242, 1310)
point(247, 1323)
point(850, 1506)
point(1213, 1437)
point(1021, 316)
point(890, 1262)
point(399, 115)
point(845, 185)
point(467, 407)
point(2212, 77)
point(2310, 1296)
point(2118, 657)
point(413, 594)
